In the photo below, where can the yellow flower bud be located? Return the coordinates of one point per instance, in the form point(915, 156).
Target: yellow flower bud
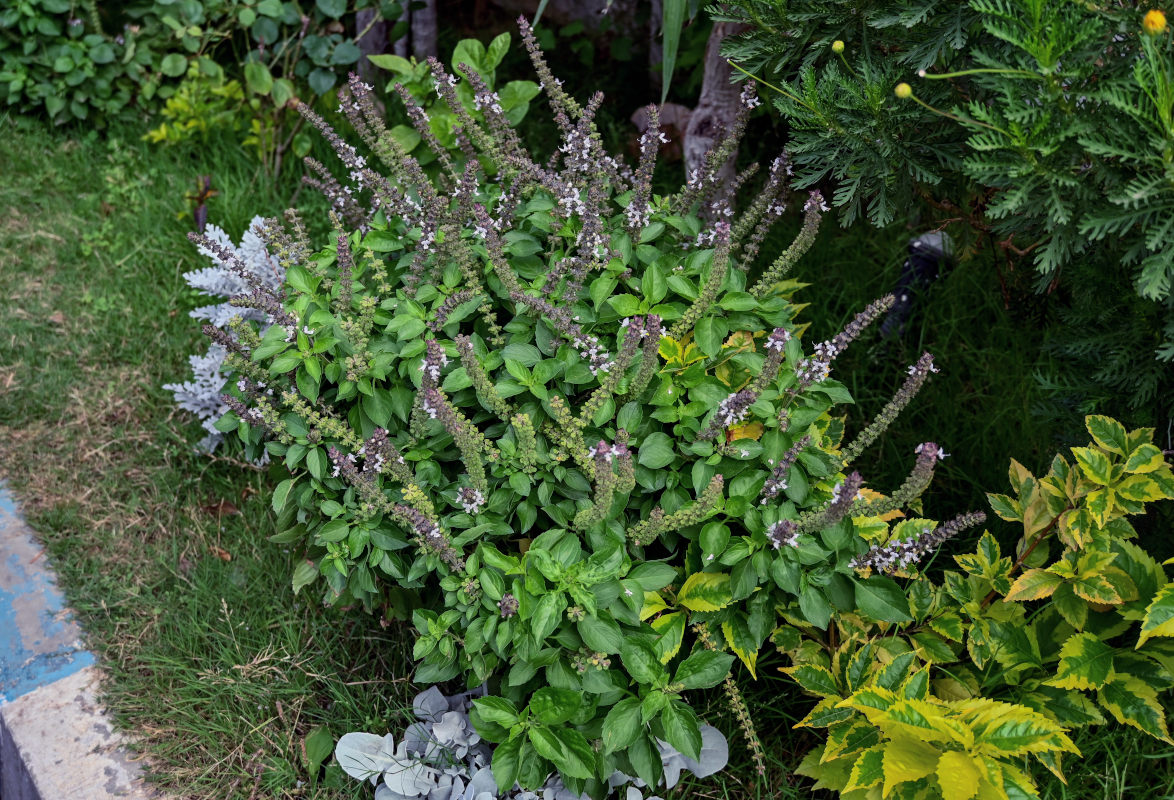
point(903, 90)
point(837, 46)
point(1154, 22)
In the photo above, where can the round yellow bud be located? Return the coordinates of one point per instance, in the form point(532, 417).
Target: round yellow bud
point(1154, 22)
point(903, 90)
point(837, 46)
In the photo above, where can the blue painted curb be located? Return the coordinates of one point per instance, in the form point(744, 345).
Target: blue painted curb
point(39, 642)
point(55, 739)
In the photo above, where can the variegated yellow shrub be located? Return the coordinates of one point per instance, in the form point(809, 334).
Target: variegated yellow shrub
point(1003, 659)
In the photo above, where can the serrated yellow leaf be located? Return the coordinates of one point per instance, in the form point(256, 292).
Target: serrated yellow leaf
point(750, 659)
point(1085, 663)
point(1134, 702)
point(849, 737)
point(826, 712)
point(653, 604)
point(1107, 432)
point(948, 625)
point(671, 630)
point(1034, 584)
point(926, 722)
point(1145, 458)
point(868, 769)
point(1141, 489)
point(1051, 762)
point(958, 776)
point(1159, 616)
point(815, 679)
point(907, 759)
point(1096, 589)
point(869, 701)
point(1100, 505)
point(706, 591)
point(1094, 464)
point(1017, 473)
point(1017, 779)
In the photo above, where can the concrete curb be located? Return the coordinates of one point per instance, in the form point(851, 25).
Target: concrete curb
point(55, 740)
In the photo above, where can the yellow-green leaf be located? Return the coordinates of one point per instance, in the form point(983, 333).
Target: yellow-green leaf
point(1141, 489)
point(706, 591)
point(1123, 585)
point(748, 656)
point(1097, 589)
point(958, 776)
point(1094, 464)
point(1034, 584)
point(1016, 779)
point(907, 759)
point(870, 700)
point(1085, 663)
point(815, 679)
point(932, 648)
point(1006, 507)
point(849, 737)
point(1159, 615)
point(1052, 762)
point(1073, 609)
point(653, 604)
point(830, 775)
point(671, 628)
point(926, 722)
point(868, 769)
point(1134, 702)
point(948, 625)
point(1100, 505)
point(826, 712)
point(1108, 433)
point(1145, 458)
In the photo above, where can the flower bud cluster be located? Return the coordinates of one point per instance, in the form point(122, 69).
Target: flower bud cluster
point(784, 533)
point(777, 482)
point(917, 375)
point(901, 554)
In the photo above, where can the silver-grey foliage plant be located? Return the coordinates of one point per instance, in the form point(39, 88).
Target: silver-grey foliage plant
point(202, 394)
point(441, 757)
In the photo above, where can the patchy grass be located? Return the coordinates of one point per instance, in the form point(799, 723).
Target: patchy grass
point(214, 665)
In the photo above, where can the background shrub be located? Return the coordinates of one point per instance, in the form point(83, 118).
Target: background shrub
point(69, 59)
point(1038, 130)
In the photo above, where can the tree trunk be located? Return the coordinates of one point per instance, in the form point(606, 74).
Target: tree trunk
point(424, 21)
point(400, 47)
point(655, 47)
point(716, 108)
point(372, 43)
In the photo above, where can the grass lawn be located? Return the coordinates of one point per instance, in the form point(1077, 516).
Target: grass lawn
point(214, 665)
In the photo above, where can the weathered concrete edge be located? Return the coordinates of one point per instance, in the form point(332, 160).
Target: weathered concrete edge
point(56, 743)
point(55, 740)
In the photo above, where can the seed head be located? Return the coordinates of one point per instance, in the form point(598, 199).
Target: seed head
point(837, 46)
point(903, 91)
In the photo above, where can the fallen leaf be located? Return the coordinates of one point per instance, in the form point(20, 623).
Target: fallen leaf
point(220, 553)
point(57, 318)
point(221, 508)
